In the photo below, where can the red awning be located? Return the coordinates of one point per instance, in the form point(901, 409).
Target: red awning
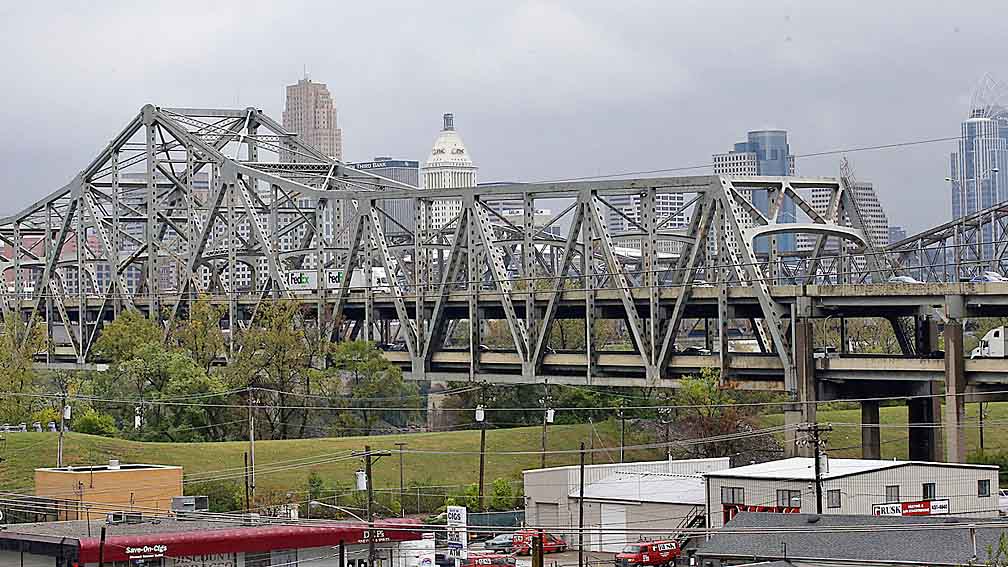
point(237, 539)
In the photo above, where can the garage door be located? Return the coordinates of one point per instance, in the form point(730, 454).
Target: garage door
point(613, 527)
point(549, 514)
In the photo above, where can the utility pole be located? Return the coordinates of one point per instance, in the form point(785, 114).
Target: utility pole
point(981, 427)
point(547, 419)
point(581, 509)
point(814, 430)
point(370, 506)
point(65, 409)
point(251, 428)
point(664, 416)
point(402, 479)
point(247, 503)
point(370, 498)
point(622, 431)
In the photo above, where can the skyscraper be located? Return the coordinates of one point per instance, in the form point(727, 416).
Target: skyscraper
point(404, 171)
point(765, 152)
point(311, 114)
point(876, 222)
point(448, 167)
point(979, 167)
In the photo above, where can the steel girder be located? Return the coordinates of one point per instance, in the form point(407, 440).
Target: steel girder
point(225, 204)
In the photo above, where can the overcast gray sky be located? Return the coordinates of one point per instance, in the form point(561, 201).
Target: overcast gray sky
point(540, 90)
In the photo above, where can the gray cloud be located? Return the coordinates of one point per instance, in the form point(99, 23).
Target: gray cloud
point(541, 90)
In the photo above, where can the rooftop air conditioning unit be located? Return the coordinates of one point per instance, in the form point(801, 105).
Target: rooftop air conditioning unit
point(115, 517)
point(189, 507)
point(134, 518)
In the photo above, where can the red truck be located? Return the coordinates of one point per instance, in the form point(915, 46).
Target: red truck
point(648, 553)
point(521, 542)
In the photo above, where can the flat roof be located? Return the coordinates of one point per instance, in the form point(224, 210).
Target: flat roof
point(106, 468)
point(805, 538)
point(660, 488)
point(803, 468)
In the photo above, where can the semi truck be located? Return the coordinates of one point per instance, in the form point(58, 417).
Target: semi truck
point(306, 281)
point(992, 345)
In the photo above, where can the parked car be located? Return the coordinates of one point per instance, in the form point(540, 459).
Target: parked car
point(648, 553)
point(476, 559)
point(1003, 501)
point(500, 543)
point(522, 542)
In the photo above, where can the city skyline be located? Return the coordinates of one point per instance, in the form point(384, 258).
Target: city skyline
point(553, 82)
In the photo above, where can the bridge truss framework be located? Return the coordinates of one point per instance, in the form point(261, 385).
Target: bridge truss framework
point(226, 205)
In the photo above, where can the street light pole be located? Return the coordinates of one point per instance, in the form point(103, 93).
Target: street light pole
point(481, 420)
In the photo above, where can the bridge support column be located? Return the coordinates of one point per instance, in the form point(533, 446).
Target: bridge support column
point(955, 387)
point(922, 427)
point(871, 440)
point(435, 402)
point(804, 411)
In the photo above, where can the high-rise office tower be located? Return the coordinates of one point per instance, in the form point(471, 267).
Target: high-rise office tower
point(896, 233)
point(399, 212)
point(979, 167)
point(765, 152)
point(448, 167)
point(311, 114)
point(876, 222)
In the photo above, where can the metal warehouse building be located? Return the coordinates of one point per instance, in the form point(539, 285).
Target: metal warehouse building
point(854, 486)
point(652, 495)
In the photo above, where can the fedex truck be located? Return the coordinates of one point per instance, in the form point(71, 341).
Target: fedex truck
point(307, 280)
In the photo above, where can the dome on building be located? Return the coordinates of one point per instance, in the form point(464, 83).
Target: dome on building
point(449, 150)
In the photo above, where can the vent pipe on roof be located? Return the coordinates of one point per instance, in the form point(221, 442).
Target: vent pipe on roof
point(113, 464)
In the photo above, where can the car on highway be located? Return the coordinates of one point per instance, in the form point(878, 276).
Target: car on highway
point(522, 542)
point(502, 542)
point(988, 277)
point(904, 280)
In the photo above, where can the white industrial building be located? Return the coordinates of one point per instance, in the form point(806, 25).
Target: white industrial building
point(652, 495)
point(853, 486)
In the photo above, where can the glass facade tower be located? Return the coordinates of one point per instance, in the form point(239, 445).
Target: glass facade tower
point(765, 152)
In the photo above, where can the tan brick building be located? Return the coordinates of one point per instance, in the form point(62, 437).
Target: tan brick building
point(90, 492)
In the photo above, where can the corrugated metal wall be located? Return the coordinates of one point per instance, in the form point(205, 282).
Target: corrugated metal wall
point(858, 493)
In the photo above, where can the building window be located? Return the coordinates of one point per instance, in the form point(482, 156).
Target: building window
point(833, 498)
point(789, 498)
point(892, 493)
point(928, 490)
point(983, 488)
point(732, 495)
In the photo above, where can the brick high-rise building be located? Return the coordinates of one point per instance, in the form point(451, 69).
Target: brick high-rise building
point(311, 113)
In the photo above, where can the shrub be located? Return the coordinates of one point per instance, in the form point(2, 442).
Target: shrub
point(95, 423)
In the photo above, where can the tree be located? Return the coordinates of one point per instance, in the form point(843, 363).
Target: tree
point(276, 359)
point(93, 422)
point(123, 338)
point(223, 495)
point(503, 495)
point(200, 336)
point(19, 342)
point(365, 383)
point(707, 408)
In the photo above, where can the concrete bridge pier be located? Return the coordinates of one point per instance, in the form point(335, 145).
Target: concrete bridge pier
point(804, 410)
point(871, 438)
point(922, 425)
point(955, 389)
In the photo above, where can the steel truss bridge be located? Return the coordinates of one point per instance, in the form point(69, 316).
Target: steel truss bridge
point(226, 205)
